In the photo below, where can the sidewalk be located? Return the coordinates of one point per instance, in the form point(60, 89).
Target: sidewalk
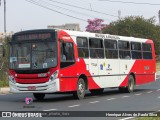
point(4, 90)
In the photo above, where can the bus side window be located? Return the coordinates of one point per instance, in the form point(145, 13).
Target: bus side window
point(82, 44)
point(96, 48)
point(67, 54)
point(124, 50)
point(147, 51)
point(136, 50)
point(111, 50)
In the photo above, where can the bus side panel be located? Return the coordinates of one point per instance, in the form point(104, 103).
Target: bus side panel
point(148, 72)
point(68, 84)
point(148, 68)
point(144, 70)
point(69, 76)
point(144, 73)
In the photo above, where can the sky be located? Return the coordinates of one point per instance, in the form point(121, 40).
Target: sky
point(23, 15)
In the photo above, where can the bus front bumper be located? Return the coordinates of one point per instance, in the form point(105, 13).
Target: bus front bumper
point(48, 87)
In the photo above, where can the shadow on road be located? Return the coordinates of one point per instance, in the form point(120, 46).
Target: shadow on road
point(69, 97)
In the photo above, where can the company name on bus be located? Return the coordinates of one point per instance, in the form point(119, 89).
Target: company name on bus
point(104, 36)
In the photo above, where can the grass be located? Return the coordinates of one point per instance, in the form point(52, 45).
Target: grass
point(158, 66)
point(148, 118)
point(4, 83)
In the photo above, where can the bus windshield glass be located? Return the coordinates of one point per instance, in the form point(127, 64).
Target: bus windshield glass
point(33, 55)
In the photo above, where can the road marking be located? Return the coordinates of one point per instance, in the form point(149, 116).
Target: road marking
point(3, 94)
point(6, 94)
point(74, 106)
point(111, 99)
point(139, 94)
point(158, 90)
point(94, 102)
point(150, 92)
point(50, 110)
point(125, 96)
point(94, 96)
point(127, 118)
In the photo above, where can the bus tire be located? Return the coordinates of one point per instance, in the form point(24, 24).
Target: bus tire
point(80, 92)
point(131, 84)
point(39, 96)
point(97, 91)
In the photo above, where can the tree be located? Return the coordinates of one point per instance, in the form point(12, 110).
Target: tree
point(136, 26)
point(4, 61)
point(95, 25)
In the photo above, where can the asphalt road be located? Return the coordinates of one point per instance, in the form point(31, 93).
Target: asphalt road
point(145, 98)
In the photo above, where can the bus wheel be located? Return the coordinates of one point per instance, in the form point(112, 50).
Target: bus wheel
point(131, 84)
point(39, 96)
point(80, 92)
point(97, 91)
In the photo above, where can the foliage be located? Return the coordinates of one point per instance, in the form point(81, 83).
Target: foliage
point(148, 118)
point(136, 26)
point(4, 60)
point(158, 66)
point(95, 25)
point(4, 83)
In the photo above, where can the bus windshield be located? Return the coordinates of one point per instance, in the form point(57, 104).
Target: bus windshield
point(35, 55)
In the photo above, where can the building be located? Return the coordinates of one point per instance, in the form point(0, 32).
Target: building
point(70, 26)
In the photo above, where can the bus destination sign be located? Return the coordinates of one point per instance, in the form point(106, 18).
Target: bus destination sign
point(33, 36)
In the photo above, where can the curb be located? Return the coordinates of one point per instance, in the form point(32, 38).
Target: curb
point(4, 90)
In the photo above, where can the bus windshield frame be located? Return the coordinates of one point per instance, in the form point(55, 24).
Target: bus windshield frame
point(33, 51)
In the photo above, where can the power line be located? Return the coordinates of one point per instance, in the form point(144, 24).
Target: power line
point(83, 8)
point(38, 4)
point(65, 8)
point(130, 2)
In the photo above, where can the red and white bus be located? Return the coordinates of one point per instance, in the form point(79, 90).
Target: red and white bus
point(58, 61)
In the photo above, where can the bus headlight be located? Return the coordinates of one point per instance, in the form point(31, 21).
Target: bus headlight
point(12, 79)
point(53, 76)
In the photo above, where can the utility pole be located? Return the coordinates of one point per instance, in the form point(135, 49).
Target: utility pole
point(119, 14)
point(159, 16)
point(5, 19)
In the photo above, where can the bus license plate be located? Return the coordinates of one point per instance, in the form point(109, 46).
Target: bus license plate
point(32, 88)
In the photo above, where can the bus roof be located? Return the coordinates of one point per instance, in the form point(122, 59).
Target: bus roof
point(88, 34)
point(106, 36)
